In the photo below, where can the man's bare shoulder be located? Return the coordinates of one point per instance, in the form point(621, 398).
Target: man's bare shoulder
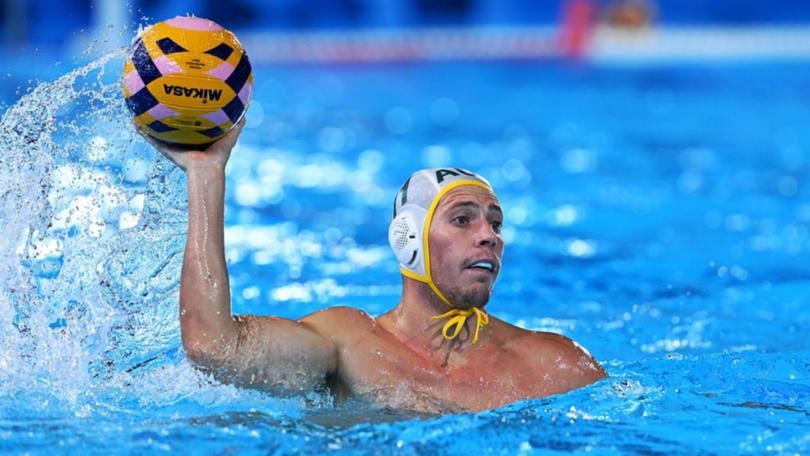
point(340, 321)
point(551, 351)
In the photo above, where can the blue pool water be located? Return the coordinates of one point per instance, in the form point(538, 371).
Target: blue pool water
point(658, 215)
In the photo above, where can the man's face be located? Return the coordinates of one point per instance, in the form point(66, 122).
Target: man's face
point(466, 245)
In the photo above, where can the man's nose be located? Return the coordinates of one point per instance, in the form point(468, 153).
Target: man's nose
point(487, 237)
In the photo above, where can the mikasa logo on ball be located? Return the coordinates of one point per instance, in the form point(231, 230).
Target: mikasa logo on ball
point(192, 92)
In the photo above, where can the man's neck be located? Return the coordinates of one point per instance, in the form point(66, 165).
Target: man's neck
point(411, 322)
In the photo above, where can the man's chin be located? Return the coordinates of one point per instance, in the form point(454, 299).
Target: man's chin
point(475, 296)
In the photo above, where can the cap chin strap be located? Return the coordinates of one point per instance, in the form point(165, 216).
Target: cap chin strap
point(457, 316)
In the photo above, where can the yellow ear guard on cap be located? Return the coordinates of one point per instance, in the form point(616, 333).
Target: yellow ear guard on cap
point(414, 207)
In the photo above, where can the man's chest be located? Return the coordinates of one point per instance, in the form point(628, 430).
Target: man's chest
point(395, 377)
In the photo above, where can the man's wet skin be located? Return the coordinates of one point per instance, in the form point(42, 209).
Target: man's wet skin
point(398, 360)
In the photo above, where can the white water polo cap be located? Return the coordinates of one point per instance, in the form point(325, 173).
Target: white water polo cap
point(414, 206)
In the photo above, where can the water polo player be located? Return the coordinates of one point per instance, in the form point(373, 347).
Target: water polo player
point(436, 351)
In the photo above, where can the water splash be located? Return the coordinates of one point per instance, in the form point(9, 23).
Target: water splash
point(92, 241)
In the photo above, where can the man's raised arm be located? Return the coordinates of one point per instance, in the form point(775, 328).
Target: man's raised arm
point(270, 353)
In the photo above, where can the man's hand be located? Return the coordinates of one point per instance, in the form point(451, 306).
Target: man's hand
point(215, 156)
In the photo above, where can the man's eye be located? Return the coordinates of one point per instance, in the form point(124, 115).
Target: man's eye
point(461, 220)
point(496, 226)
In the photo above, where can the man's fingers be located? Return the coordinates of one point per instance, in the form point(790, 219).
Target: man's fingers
point(238, 127)
point(161, 146)
point(218, 151)
point(233, 135)
point(144, 135)
point(229, 140)
point(151, 141)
